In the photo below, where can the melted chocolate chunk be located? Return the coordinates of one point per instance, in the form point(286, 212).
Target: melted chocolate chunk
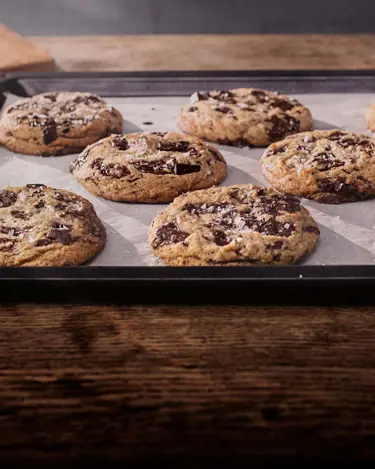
point(120, 143)
point(43, 242)
point(340, 189)
point(7, 244)
point(35, 186)
point(201, 96)
point(336, 136)
point(215, 154)
point(282, 104)
point(52, 97)
point(185, 168)
point(40, 204)
point(49, 131)
point(159, 134)
point(276, 257)
point(347, 142)
point(181, 146)
point(7, 198)
point(279, 150)
point(326, 161)
point(261, 96)
point(223, 109)
point(20, 215)
point(169, 234)
point(274, 204)
point(59, 234)
point(269, 227)
point(13, 231)
point(192, 108)
point(311, 229)
point(208, 208)
point(112, 170)
point(277, 245)
point(282, 127)
point(220, 238)
point(88, 100)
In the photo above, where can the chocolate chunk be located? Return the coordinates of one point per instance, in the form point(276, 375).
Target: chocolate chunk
point(7, 244)
point(282, 104)
point(52, 97)
point(43, 242)
point(276, 257)
point(337, 135)
point(326, 161)
point(261, 96)
point(65, 130)
point(215, 154)
point(275, 204)
point(112, 170)
point(340, 190)
point(169, 234)
point(13, 231)
point(220, 238)
point(120, 143)
point(347, 142)
point(49, 131)
point(20, 215)
point(88, 100)
point(35, 186)
point(40, 204)
point(184, 168)
point(223, 109)
point(200, 96)
point(60, 234)
point(159, 134)
point(181, 146)
point(277, 245)
point(60, 206)
point(311, 229)
point(269, 227)
point(147, 123)
point(208, 208)
point(282, 127)
point(7, 198)
point(193, 108)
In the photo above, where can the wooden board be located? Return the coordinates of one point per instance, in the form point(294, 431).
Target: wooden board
point(178, 383)
point(211, 52)
point(18, 53)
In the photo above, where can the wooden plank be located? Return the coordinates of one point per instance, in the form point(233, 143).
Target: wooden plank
point(18, 53)
point(166, 383)
point(211, 52)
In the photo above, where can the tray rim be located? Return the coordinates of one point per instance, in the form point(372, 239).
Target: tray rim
point(267, 275)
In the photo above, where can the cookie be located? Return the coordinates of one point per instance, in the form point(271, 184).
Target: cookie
point(370, 117)
point(41, 226)
point(243, 117)
point(57, 123)
point(330, 167)
point(233, 225)
point(148, 167)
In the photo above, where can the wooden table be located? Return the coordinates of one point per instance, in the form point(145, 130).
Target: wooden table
point(246, 386)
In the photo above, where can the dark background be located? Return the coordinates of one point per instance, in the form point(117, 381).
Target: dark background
point(64, 17)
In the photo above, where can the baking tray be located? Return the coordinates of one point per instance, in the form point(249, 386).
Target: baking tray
point(333, 274)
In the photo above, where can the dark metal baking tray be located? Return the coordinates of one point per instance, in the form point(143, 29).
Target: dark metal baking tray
point(291, 284)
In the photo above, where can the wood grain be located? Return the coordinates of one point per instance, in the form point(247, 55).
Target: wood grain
point(211, 52)
point(179, 383)
point(17, 53)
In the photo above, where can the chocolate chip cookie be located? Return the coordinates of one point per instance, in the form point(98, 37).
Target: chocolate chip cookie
point(148, 167)
point(57, 123)
point(243, 117)
point(233, 225)
point(41, 226)
point(330, 167)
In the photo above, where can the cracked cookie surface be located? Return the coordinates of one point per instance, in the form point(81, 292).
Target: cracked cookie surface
point(330, 167)
point(243, 117)
point(148, 167)
point(233, 225)
point(42, 226)
point(57, 123)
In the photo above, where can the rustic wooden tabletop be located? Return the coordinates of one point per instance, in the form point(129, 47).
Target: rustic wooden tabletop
point(240, 385)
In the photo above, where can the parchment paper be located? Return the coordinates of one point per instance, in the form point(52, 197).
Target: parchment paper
point(347, 230)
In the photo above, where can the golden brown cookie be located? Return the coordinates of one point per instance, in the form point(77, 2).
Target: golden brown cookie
point(233, 225)
point(148, 167)
point(243, 117)
point(41, 226)
point(330, 167)
point(57, 123)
